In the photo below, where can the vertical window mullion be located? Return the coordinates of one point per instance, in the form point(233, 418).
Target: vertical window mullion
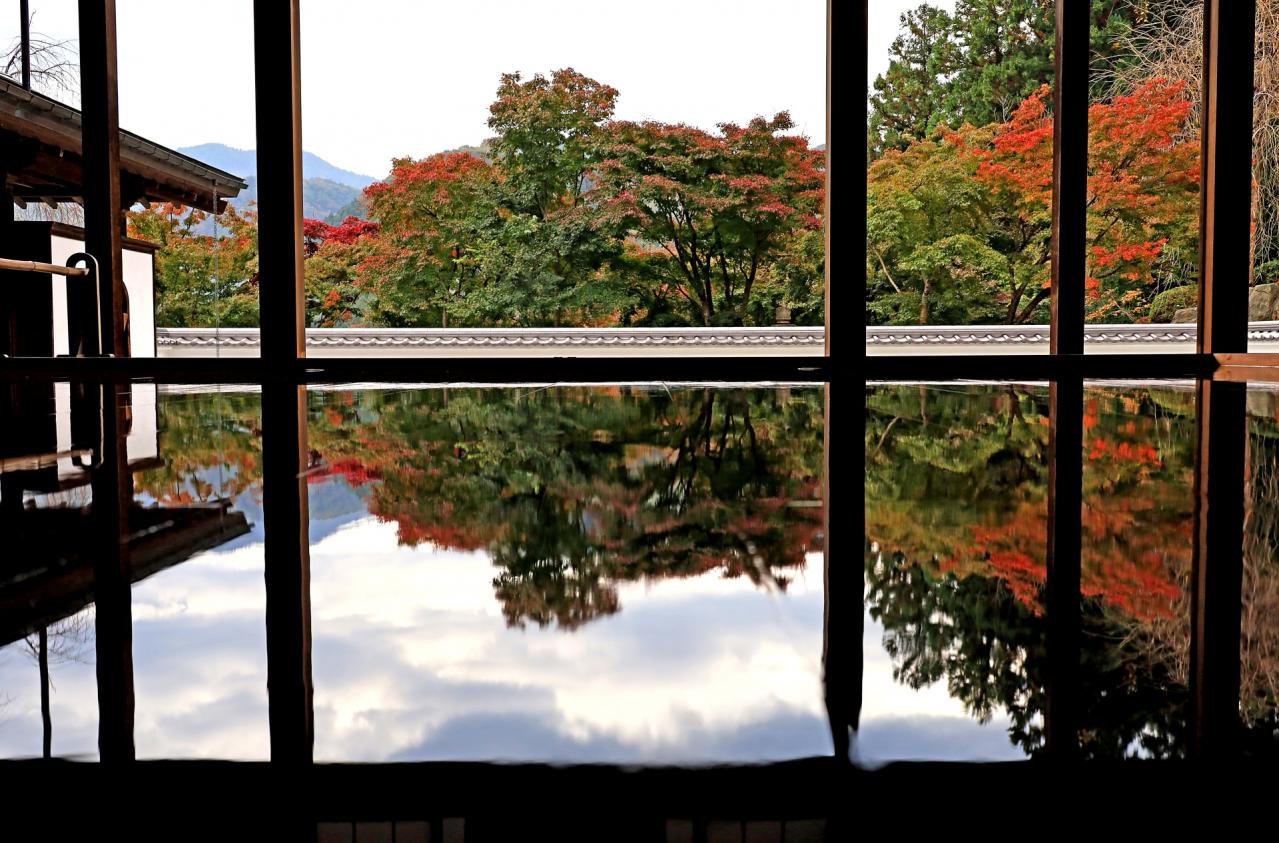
point(1225, 220)
point(1065, 432)
point(1225, 264)
point(111, 481)
point(1070, 177)
point(100, 148)
point(842, 632)
point(277, 69)
point(278, 86)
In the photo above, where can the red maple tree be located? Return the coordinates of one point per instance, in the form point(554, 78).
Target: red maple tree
point(1143, 184)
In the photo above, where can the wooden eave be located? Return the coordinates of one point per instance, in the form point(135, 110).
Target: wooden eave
point(41, 146)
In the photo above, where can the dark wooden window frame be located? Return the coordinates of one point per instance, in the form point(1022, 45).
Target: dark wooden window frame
point(282, 370)
point(1221, 367)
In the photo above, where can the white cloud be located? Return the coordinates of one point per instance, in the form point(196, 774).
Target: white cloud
point(412, 659)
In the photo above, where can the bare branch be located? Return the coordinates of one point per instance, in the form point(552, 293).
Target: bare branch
point(55, 66)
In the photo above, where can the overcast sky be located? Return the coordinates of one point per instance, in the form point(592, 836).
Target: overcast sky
point(385, 78)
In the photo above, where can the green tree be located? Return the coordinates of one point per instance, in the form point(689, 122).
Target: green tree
point(977, 64)
point(201, 279)
point(1006, 49)
point(474, 242)
point(929, 227)
point(545, 260)
point(431, 213)
point(910, 98)
point(720, 206)
point(548, 138)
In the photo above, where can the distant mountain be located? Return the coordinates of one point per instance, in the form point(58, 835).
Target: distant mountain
point(315, 167)
point(238, 162)
point(355, 208)
point(328, 192)
point(322, 198)
point(483, 151)
point(244, 163)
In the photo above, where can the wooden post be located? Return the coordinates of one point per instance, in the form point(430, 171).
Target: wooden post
point(1217, 567)
point(288, 572)
point(842, 620)
point(1221, 420)
point(1225, 210)
point(1070, 178)
point(1065, 506)
point(103, 218)
point(860, 74)
point(113, 612)
point(277, 46)
point(11, 339)
point(844, 581)
point(276, 39)
point(1065, 449)
point(24, 9)
point(46, 715)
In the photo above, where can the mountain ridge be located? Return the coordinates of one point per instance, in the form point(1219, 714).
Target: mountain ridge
point(244, 163)
point(328, 192)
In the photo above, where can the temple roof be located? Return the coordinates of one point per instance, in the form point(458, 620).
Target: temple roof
point(40, 147)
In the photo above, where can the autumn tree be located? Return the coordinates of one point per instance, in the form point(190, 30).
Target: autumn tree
point(548, 135)
point(206, 275)
point(720, 206)
point(564, 217)
point(929, 239)
point(334, 254)
point(1143, 185)
point(976, 64)
point(431, 212)
point(957, 526)
point(1169, 45)
point(959, 225)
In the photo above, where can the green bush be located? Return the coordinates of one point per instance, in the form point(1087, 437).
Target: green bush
point(1169, 302)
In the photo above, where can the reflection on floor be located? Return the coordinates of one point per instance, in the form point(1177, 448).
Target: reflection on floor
point(623, 575)
point(956, 508)
point(54, 454)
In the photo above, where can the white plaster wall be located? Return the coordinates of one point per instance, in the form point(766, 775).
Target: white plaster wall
point(139, 281)
point(142, 442)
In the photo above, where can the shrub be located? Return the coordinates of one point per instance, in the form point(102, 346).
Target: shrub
point(1169, 302)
